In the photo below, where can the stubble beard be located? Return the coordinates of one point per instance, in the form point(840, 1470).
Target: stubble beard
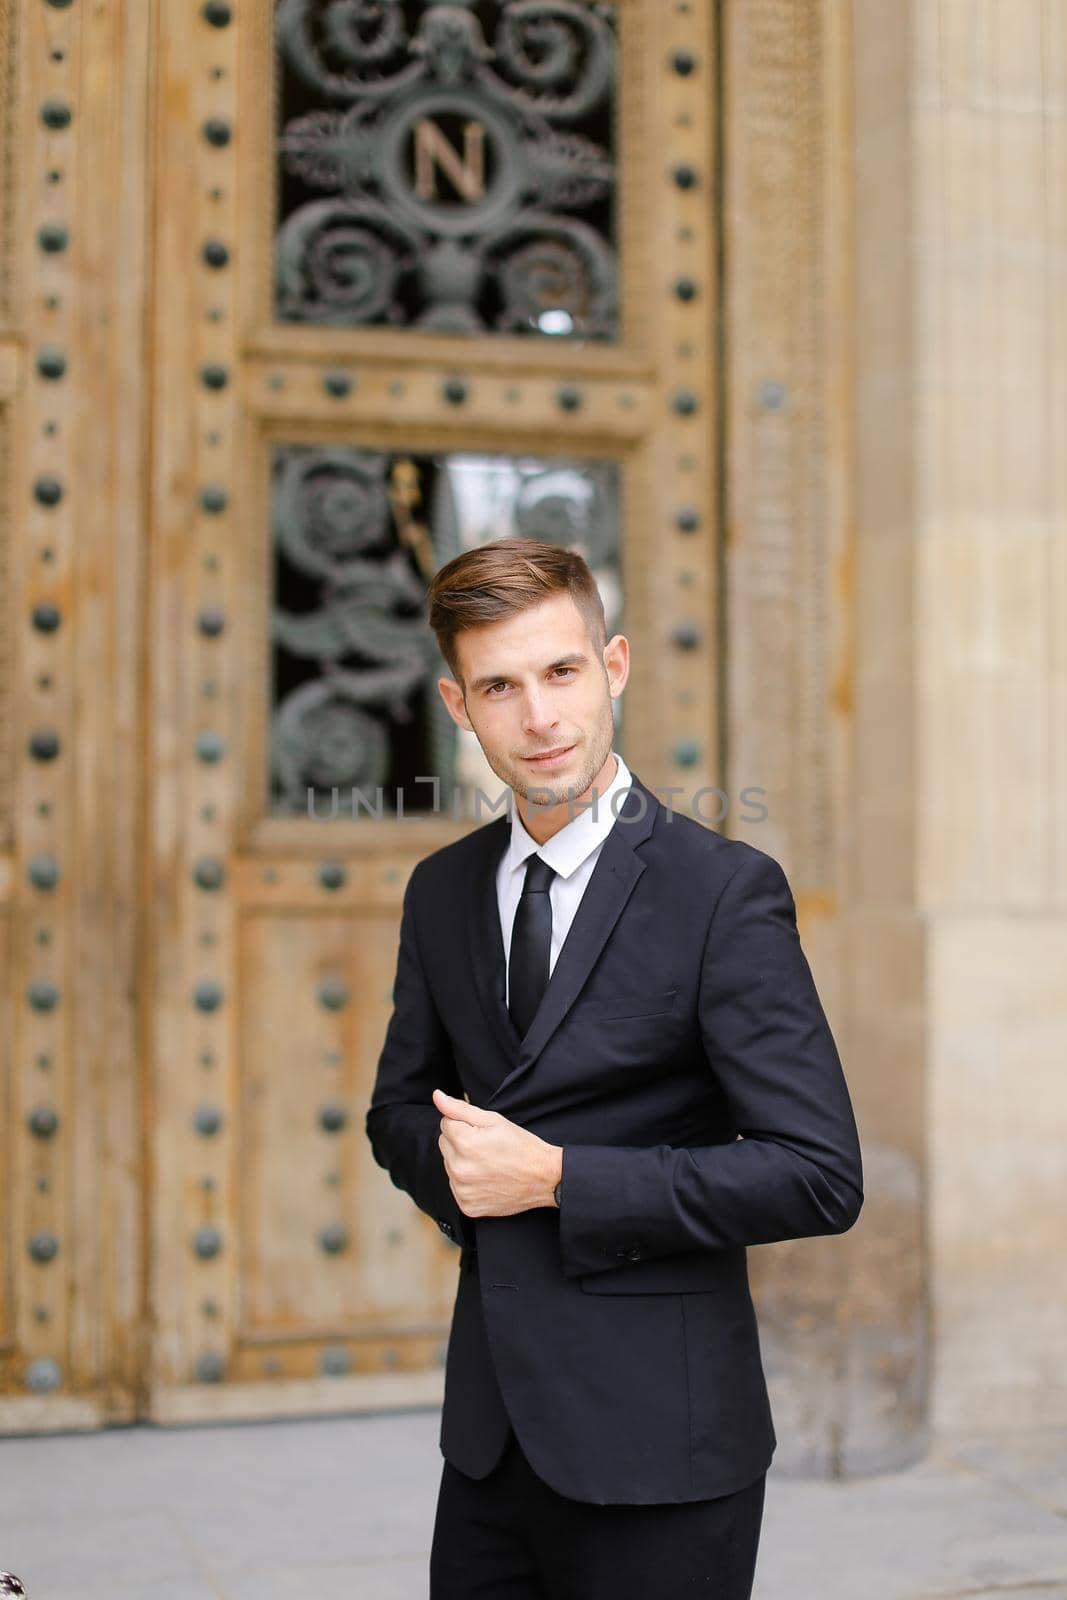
point(560, 792)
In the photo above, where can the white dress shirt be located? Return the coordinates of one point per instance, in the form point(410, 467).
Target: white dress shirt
point(572, 851)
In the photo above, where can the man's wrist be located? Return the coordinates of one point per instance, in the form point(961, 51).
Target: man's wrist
point(553, 1173)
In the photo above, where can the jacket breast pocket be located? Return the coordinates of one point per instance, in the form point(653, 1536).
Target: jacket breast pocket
point(605, 1008)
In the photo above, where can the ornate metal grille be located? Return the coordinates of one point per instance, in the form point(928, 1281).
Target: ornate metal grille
point(447, 167)
point(355, 665)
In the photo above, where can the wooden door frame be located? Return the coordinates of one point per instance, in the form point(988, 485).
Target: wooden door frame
point(74, 401)
point(121, 532)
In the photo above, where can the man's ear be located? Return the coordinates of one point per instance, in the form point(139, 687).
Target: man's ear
point(617, 663)
point(452, 695)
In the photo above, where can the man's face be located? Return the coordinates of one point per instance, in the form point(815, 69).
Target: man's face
point(536, 684)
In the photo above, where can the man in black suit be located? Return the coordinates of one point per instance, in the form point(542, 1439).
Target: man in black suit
point(607, 1072)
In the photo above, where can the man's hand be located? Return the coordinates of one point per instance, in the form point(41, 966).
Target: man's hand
point(495, 1168)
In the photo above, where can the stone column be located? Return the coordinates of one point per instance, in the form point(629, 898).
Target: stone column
point(820, 671)
point(989, 228)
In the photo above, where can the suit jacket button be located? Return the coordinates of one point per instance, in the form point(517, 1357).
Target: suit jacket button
point(444, 1225)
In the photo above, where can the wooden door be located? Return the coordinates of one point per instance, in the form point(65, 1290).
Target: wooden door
point(74, 439)
point(351, 287)
point(425, 275)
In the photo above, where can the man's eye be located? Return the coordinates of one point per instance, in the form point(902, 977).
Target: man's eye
point(502, 685)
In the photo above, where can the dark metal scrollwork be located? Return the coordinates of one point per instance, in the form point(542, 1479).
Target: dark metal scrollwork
point(341, 261)
point(333, 524)
point(440, 133)
point(338, 48)
point(560, 54)
point(559, 261)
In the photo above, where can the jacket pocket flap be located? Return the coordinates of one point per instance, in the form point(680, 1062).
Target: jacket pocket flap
point(688, 1274)
point(625, 1005)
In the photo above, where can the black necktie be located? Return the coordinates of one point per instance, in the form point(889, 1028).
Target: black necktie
point(531, 942)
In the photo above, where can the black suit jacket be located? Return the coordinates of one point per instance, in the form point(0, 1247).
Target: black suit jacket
point(617, 1334)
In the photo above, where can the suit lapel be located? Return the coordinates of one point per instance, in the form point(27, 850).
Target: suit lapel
point(612, 882)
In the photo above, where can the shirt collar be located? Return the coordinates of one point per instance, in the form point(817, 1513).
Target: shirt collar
point(569, 847)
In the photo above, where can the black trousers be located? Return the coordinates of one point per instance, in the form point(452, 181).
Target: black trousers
point(509, 1536)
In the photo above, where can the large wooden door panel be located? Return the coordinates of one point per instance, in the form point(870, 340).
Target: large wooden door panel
point(293, 308)
point(73, 443)
point(316, 444)
point(230, 463)
point(326, 1251)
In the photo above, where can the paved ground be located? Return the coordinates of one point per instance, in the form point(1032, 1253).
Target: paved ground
point(341, 1509)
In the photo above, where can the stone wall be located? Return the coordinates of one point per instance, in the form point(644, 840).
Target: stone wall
point(961, 471)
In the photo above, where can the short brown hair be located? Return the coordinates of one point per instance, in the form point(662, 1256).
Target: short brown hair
point(502, 578)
